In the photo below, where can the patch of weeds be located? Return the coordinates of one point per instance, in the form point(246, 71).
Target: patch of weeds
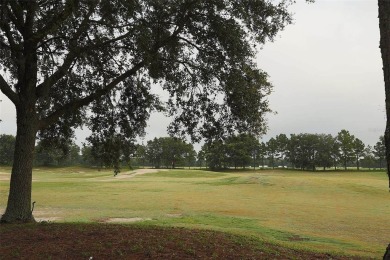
point(135, 248)
point(86, 254)
point(119, 252)
point(190, 251)
point(16, 253)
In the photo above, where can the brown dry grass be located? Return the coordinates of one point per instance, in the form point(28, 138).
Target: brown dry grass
point(109, 241)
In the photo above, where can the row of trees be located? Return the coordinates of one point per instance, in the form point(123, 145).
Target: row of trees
point(165, 152)
point(300, 151)
point(45, 155)
point(160, 152)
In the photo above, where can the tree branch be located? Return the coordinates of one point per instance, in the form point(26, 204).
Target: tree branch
point(30, 15)
point(3, 45)
point(57, 20)
point(191, 43)
point(7, 29)
point(13, 45)
point(50, 81)
point(77, 104)
point(68, 61)
point(16, 15)
point(6, 89)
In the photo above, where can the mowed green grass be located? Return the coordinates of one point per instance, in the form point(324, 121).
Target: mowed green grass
point(343, 212)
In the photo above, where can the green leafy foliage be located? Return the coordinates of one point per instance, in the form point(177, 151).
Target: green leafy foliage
point(346, 144)
point(236, 151)
point(301, 151)
point(380, 150)
point(71, 63)
point(104, 53)
point(7, 147)
point(240, 149)
point(169, 152)
point(50, 154)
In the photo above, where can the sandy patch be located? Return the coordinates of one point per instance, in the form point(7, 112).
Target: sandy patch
point(48, 219)
point(178, 215)
point(125, 220)
point(131, 174)
point(5, 176)
point(47, 214)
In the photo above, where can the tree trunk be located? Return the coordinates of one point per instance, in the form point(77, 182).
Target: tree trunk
point(19, 199)
point(384, 27)
point(357, 164)
point(345, 164)
point(262, 162)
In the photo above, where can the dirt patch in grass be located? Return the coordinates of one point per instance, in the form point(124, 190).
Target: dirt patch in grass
point(48, 219)
point(125, 220)
point(132, 174)
point(5, 176)
point(113, 241)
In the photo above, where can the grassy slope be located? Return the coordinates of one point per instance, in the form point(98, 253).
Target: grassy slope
point(341, 212)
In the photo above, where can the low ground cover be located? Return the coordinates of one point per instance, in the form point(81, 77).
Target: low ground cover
point(103, 241)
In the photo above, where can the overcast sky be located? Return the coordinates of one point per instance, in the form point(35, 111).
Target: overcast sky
point(326, 70)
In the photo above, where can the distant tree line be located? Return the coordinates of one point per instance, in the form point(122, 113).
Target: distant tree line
point(46, 154)
point(299, 151)
point(165, 152)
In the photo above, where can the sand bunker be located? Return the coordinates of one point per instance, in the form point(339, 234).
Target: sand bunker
point(131, 174)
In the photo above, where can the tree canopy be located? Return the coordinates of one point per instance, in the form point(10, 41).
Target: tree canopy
point(68, 55)
point(74, 62)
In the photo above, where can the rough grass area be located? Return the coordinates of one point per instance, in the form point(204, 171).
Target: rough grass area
point(104, 241)
point(341, 213)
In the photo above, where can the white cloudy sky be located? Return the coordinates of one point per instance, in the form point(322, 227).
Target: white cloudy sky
point(326, 70)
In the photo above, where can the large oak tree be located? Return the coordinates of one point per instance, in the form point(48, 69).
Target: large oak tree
point(384, 27)
point(94, 62)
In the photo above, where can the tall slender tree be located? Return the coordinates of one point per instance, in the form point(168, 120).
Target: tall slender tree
point(272, 151)
point(345, 141)
point(380, 150)
point(358, 151)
